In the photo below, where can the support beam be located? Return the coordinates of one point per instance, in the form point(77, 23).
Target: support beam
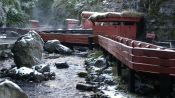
point(165, 85)
point(90, 42)
point(119, 68)
point(131, 82)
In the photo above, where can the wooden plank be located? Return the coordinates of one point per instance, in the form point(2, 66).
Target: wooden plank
point(153, 68)
point(114, 44)
point(154, 61)
point(163, 54)
point(69, 38)
point(116, 49)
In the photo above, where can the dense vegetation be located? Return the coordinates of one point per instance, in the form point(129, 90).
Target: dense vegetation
point(15, 12)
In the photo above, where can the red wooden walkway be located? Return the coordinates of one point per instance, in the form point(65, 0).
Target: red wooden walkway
point(136, 55)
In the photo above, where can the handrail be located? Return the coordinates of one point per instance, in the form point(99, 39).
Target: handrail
point(154, 60)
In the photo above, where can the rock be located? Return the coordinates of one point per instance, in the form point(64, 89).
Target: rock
point(99, 95)
point(143, 88)
point(50, 45)
point(106, 78)
point(61, 65)
point(36, 77)
point(49, 75)
point(54, 46)
point(52, 56)
point(63, 49)
point(89, 62)
point(28, 50)
point(6, 54)
point(24, 71)
point(82, 74)
point(100, 62)
point(12, 72)
point(12, 34)
point(29, 74)
point(82, 54)
point(82, 49)
point(85, 87)
point(109, 82)
point(9, 89)
point(3, 72)
point(42, 68)
point(98, 78)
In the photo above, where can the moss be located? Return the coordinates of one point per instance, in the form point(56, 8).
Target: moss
point(154, 7)
point(126, 13)
point(95, 54)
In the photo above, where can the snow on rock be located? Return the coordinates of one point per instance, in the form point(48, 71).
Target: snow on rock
point(8, 89)
point(28, 50)
point(50, 45)
point(38, 73)
point(100, 62)
point(24, 71)
point(54, 46)
point(110, 91)
point(42, 68)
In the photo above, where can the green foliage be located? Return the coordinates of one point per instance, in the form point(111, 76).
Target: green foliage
point(95, 54)
point(15, 17)
point(63, 9)
point(16, 11)
point(151, 6)
point(28, 5)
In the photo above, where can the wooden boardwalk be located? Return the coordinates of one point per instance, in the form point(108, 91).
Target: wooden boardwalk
point(137, 56)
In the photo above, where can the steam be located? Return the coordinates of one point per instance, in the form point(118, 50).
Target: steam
point(46, 16)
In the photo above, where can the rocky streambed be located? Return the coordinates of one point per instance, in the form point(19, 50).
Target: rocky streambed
point(61, 72)
point(84, 77)
point(64, 84)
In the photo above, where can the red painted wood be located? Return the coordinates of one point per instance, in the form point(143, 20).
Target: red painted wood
point(154, 61)
point(136, 59)
point(164, 54)
point(124, 31)
point(69, 38)
point(153, 69)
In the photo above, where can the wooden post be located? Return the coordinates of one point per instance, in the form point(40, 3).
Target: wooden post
point(105, 52)
point(131, 82)
point(165, 85)
point(90, 42)
point(119, 68)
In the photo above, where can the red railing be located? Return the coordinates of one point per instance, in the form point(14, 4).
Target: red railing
point(140, 56)
point(68, 38)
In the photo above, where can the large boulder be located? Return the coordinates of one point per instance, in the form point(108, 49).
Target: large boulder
point(9, 89)
point(28, 50)
point(54, 46)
